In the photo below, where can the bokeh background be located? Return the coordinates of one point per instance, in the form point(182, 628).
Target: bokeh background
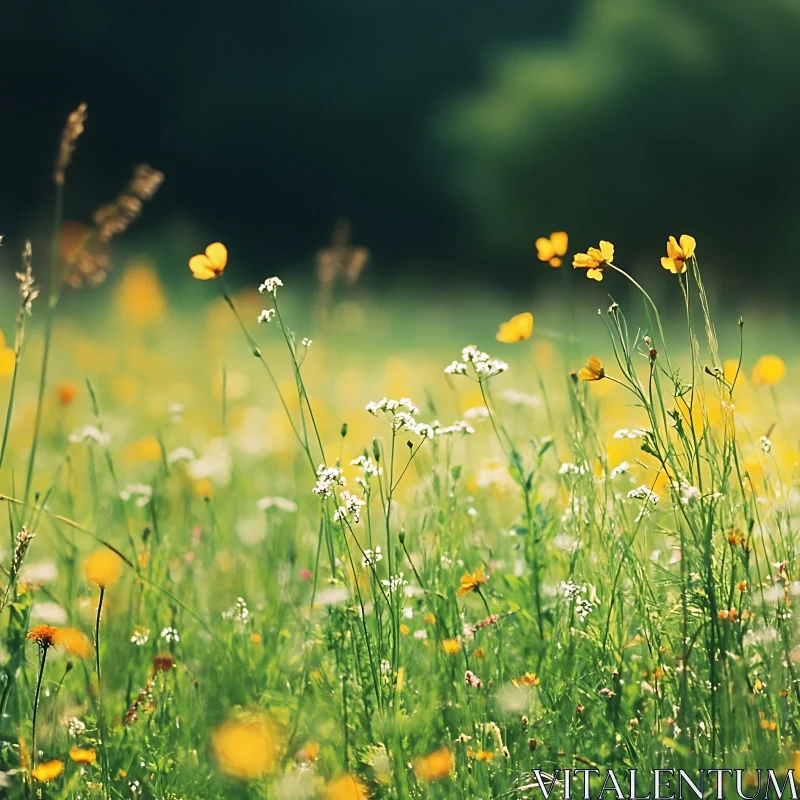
point(451, 133)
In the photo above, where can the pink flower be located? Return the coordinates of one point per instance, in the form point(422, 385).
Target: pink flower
point(306, 575)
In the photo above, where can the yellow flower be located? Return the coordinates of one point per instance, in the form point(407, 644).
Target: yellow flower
point(6, 361)
point(551, 250)
point(594, 259)
point(472, 581)
point(146, 449)
point(74, 642)
point(593, 371)
point(516, 329)
point(481, 755)
point(83, 756)
point(678, 254)
point(346, 788)
point(211, 264)
point(435, 766)
point(430, 619)
point(48, 771)
point(103, 568)
point(139, 298)
point(451, 646)
point(528, 679)
point(245, 748)
point(404, 629)
point(768, 371)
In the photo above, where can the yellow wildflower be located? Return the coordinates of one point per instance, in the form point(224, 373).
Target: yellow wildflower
point(594, 259)
point(678, 254)
point(434, 766)
point(245, 748)
point(472, 581)
point(74, 641)
point(768, 371)
point(44, 635)
point(593, 371)
point(516, 329)
point(553, 248)
point(48, 771)
point(451, 646)
point(346, 788)
point(83, 756)
point(103, 568)
point(211, 264)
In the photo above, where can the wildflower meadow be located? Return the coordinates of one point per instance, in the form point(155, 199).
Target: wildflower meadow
point(295, 542)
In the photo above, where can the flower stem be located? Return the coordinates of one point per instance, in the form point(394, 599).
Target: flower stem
point(42, 661)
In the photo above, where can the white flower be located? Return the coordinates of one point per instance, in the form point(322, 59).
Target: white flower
point(629, 433)
point(238, 612)
point(266, 315)
point(456, 368)
point(141, 491)
point(351, 508)
point(170, 635)
point(306, 342)
point(140, 636)
point(270, 286)
point(327, 479)
point(573, 469)
point(372, 557)
point(459, 426)
point(89, 433)
point(281, 503)
point(395, 582)
point(74, 726)
point(620, 469)
point(180, 454)
point(643, 493)
point(765, 444)
point(518, 398)
point(479, 412)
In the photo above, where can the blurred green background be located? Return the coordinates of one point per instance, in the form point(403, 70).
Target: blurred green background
point(451, 133)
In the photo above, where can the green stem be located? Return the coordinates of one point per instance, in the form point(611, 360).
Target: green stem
point(42, 661)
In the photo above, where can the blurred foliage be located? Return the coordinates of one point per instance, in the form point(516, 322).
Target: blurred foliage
point(666, 115)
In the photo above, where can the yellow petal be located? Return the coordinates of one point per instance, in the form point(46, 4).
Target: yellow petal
point(559, 240)
point(218, 255)
point(555, 262)
point(583, 260)
point(595, 274)
point(201, 267)
point(607, 249)
point(768, 371)
point(544, 249)
point(669, 263)
point(673, 251)
point(688, 245)
point(516, 329)
point(7, 359)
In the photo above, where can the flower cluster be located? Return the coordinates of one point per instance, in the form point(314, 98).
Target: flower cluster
point(643, 493)
point(572, 591)
point(482, 364)
point(630, 433)
point(460, 426)
point(327, 479)
point(372, 557)
point(141, 491)
point(239, 612)
point(89, 433)
point(266, 315)
point(270, 286)
point(472, 680)
point(369, 468)
point(402, 413)
point(350, 508)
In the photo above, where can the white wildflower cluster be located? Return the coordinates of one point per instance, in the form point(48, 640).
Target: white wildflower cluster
point(569, 468)
point(572, 591)
point(170, 635)
point(350, 508)
point(372, 557)
point(688, 493)
point(460, 426)
point(306, 342)
point(327, 479)
point(270, 286)
point(89, 433)
point(280, 503)
point(180, 454)
point(620, 469)
point(369, 468)
point(74, 726)
point(140, 636)
point(395, 582)
point(643, 493)
point(266, 315)
point(765, 444)
point(402, 413)
point(519, 399)
point(483, 365)
point(239, 612)
point(141, 492)
point(478, 412)
point(630, 433)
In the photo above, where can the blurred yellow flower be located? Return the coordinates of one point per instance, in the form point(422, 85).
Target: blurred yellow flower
point(346, 788)
point(211, 264)
point(139, 297)
point(594, 259)
point(593, 371)
point(80, 756)
point(678, 254)
point(245, 748)
point(74, 641)
point(472, 581)
point(435, 766)
point(6, 361)
point(430, 619)
point(768, 371)
point(528, 679)
point(451, 646)
point(48, 771)
point(516, 329)
point(103, 568)
point(481, 755)
point(146, 449)
point(552, 249)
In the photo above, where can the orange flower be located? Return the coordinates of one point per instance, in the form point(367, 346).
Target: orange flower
point(74, 641)
point(516, 329)
point(346, 788)
point(103, 568)
point(472, 581)
point(678, 254)
point(83, 756)
point(551, 250)
point(66, 391)
point(44, 635)
point(435, 766)
point(211, 264)
point(245, 748)
point(594, 259)
point(48, 771)
point(593, 371)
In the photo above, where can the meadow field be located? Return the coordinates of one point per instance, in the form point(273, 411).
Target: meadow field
point(410, 547)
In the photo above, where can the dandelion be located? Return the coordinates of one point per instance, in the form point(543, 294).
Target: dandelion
point(552, 249)
point(678, 254)
point(48, 771)
point(516, 329)
point(45, 637)
point(768, 371)
point(270, 286)
point(103, 568)
point(472, 581)
point(594, 259)
point(80, 756)
point(451, 646)
point(435, 766)
point(245, 748)
point(593, 371)
point(211, 264)
point(481, 755)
